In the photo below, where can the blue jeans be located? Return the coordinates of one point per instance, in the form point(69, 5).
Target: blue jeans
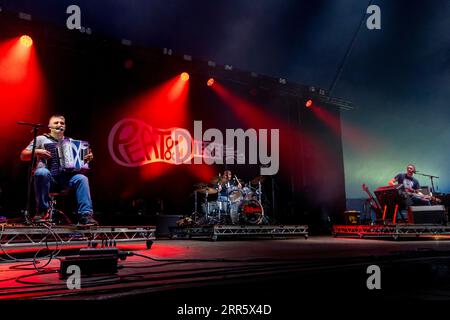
point(43, 180)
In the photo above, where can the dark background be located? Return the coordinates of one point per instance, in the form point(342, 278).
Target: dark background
point(397, 77)
point(87, 80)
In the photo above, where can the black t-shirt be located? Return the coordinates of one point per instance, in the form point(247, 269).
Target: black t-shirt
point(407, 181)
point(232, 184)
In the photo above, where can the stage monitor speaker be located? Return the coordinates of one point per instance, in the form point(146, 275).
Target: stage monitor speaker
point(427, 215)
point(352, 217)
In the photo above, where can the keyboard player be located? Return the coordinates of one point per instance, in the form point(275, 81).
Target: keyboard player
point(411, 188)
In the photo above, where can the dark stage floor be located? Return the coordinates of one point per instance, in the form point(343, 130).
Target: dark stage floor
point(279, 273)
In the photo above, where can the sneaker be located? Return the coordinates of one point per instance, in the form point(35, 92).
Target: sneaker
point(87, 220)
point(41, 217)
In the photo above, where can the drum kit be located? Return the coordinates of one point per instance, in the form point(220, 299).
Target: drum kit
point(231, 204)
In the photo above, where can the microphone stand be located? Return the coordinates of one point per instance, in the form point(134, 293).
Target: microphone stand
point(431, 179)
point(35, 127)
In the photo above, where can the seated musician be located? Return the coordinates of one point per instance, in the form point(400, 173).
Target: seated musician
point(411, 187)
point(43, 179)
point(227, 182)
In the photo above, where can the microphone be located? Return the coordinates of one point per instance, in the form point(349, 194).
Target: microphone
point(57, 128)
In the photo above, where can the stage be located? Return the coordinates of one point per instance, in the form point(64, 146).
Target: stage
point(218, 231)
point(248, 271)
point(393, 231)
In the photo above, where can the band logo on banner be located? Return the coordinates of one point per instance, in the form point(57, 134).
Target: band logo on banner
point(134, 143)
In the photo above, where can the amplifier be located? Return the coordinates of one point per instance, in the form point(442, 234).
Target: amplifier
point(352, 217)
point(427, 215)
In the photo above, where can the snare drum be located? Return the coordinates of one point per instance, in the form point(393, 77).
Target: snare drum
point(235, 195)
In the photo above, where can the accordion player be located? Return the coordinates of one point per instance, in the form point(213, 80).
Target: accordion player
point(67, 156)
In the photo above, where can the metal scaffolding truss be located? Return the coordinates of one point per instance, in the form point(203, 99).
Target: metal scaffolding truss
point(27, 237)
point(394, 231)
point(234, 231)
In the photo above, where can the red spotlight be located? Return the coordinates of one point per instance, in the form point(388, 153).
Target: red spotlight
point(184, 76)
point(26, 41)
point(309, 103)
point(210, 82)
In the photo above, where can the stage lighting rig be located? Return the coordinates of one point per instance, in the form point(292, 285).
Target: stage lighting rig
point(125, 42)
point(167, 51)
point(25, 16)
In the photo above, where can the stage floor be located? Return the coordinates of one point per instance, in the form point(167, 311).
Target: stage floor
point(215, 272)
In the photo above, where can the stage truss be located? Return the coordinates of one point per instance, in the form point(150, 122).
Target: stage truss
point(394, 231)
point(215, 232)
point(26, 237)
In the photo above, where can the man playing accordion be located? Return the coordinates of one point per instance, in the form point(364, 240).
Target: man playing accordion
point(44, 180)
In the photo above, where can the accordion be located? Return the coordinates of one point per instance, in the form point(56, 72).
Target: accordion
point(67, 156)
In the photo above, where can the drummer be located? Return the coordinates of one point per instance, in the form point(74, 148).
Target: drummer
point(226, 183)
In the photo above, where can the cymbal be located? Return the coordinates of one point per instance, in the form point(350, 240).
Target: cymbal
point(258, 180)
point(207, 190)
point(200, 185)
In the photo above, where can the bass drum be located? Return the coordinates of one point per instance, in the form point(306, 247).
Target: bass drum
point(251, 212)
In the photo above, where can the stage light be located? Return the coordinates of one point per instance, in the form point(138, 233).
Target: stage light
point(210, 82)
point(309, 103)
point(184, 76)
point(26, 41)
point(25, 16)
point(167, 51)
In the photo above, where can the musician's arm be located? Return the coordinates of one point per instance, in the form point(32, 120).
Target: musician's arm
point(392, 181)
point(25, 155)
point(39, 152)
